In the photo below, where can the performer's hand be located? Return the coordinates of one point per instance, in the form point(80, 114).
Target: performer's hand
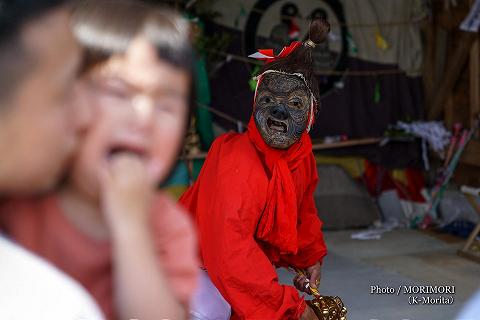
point(303, 283)
point(315, 274)
point(300, 282)
point(308, 314)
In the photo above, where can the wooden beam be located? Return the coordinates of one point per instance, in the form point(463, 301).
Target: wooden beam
point(452, 73)
point(469, 255)
point(343, 144)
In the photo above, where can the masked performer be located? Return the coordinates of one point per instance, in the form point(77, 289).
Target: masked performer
point(253, 200)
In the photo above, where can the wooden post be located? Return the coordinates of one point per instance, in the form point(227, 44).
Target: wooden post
point(465, 251)
point(474, 81)
point(429, 63)
point(452, 73)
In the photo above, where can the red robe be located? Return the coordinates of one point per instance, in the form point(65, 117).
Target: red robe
point(254, 209)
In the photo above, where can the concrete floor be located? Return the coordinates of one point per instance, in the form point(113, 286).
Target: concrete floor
point(400, 258)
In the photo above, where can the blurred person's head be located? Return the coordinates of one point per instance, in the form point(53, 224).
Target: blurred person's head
point(138, 74)
point(39, 60)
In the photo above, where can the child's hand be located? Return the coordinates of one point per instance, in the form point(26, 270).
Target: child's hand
point(127, 191)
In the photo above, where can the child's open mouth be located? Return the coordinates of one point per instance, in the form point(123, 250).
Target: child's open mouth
point(130, 149)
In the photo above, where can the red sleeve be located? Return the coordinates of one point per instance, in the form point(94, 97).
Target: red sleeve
point(243, 273)
point(311, 245)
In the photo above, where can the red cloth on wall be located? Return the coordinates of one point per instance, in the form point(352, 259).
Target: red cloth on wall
point(254, 209)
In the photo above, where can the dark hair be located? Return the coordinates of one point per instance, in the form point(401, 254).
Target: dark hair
point(14, 60)
point(105, 28)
